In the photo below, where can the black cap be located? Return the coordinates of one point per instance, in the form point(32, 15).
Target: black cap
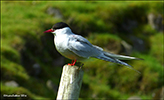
point(59, 25)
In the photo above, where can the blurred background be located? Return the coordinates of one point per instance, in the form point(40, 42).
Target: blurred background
point(31, 65)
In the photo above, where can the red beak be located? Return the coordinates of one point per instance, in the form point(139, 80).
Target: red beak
point(48, 31)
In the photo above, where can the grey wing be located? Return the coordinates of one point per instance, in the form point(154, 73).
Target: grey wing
point(82, 47)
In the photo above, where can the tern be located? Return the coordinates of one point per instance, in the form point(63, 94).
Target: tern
point(76, 47)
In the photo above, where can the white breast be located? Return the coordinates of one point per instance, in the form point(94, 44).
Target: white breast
point(61, 43)
point(62, 47)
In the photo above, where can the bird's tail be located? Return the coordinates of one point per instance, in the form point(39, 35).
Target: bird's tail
point(116, 59)
point(121, 57)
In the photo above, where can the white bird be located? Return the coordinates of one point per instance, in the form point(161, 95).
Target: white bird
point(76, 47)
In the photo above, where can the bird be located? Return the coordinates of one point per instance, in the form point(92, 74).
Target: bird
point(78, 48)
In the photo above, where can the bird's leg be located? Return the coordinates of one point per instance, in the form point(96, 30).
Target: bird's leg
point(73, 63)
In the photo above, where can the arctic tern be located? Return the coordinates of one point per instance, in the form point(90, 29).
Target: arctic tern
point(76, 47)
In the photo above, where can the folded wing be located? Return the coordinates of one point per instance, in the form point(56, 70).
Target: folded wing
point(82, 47)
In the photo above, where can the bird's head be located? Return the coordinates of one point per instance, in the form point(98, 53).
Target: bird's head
point(56, 27)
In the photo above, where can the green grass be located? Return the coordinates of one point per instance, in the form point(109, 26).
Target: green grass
point(23, 44)
point(157, 47)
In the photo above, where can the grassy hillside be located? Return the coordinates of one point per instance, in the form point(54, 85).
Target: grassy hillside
point(29, 57)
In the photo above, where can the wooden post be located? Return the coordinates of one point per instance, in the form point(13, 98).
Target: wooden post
point(70, 83)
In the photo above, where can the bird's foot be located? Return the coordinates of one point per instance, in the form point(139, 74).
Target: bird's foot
point(73, 63)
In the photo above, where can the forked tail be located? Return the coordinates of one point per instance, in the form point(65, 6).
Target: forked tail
point(115, 59)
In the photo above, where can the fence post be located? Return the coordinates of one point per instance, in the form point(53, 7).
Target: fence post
point(70, 83)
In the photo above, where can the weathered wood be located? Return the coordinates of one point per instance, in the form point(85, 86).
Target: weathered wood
point(70, 83)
